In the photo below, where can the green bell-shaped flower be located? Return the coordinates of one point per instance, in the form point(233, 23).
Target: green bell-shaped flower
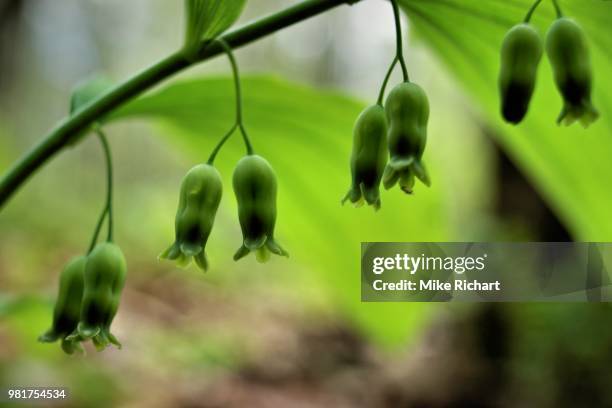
point(520, 57)
point(568, 52)
point(105, 273)
point(199, 200)
point(369, 156)
point(407, 110)
point(67, 310)
point(255, 188)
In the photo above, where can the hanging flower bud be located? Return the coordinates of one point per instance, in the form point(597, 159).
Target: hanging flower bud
point(407, 110)
point(67, 310)
point(255, 188)
point(369, 156)
point(569, 56)
point(200, 196)
point(104, 279)
point(520, 56)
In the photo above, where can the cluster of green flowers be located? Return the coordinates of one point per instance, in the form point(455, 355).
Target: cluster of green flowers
point(398, 132)
point(389, 140)
point(255, 186)
point(90, 285)
point(567, 50)
point(388, 144)
point(88, 300)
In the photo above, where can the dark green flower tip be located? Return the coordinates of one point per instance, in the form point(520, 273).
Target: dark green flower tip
point(75, 336)
point(362, 195)
point(191, 249)
point(420, 171)
point(201, 191)
point(390, 177)
point(353, 195)
point(113, 340)
point(100, 336)
point(406, 181)
point(255, 187)
point(104, 338)
point(201, 261)
point(84, 332)
point(275, 248)
point(583, 112)
point(72, 346)
point(371, 195)
point(254, 243)
point(404, 172)
point(262, 249)
point(67, 309)
point(49, 337)
point(262, 254)
point(521, 54)
point(174, 253)
point(100, 341)
point(567, 49)
point(368, 157)
point(241, 253)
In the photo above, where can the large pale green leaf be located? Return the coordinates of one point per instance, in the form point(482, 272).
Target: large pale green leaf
point(206, 19)
point(306, 135)
point(87, 91)
point(570, 166)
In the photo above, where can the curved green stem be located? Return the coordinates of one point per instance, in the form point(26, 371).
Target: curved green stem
point(398, 40)
point(109, 181)
point(94, 238)
point(77, 124)
point(381, 94)
point(224, 139)
point(107, 210)
point(533, 8)
point(236, 73)
point(245, 137)
point(557, 8)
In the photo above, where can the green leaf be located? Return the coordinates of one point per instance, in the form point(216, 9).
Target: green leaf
point(306, 135)
point(207, 19)
point(570, 166)
point(87, 91)
point(83, 94)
